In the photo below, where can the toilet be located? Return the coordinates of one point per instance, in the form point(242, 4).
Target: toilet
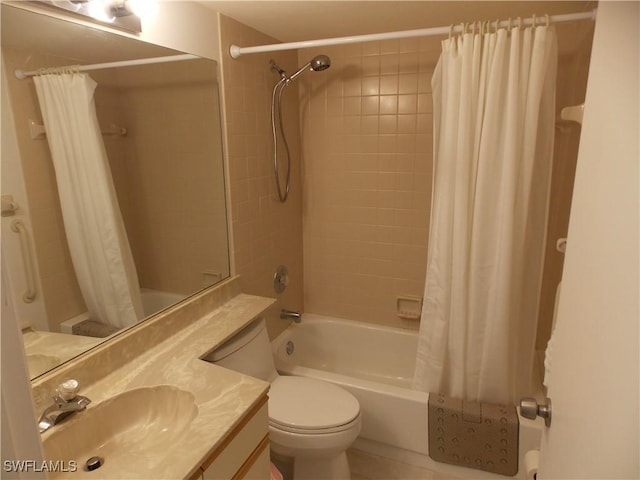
point(311, 422)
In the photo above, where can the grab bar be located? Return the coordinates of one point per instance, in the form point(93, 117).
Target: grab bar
point(38, 130)
point(25, 245)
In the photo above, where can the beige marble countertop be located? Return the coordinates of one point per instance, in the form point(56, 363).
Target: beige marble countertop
point(222, 396)
point(46, 350)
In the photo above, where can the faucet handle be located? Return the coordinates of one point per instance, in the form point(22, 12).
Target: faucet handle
point(68, 390)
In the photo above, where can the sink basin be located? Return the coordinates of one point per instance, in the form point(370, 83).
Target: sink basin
point(130, 432)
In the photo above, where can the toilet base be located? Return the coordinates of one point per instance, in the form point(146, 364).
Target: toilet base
point(334, 468)
point(306, 468)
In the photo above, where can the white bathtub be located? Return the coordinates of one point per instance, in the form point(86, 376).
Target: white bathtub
point(152, 302)
point(376, 364)
point(155, 300)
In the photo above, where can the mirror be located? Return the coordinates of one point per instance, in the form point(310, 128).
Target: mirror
point(161, 129)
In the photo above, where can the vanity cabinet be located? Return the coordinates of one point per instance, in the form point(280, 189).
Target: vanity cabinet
point(244, 454)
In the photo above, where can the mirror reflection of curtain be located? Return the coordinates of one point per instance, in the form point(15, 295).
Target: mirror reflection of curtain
point(494, 112)
point(95, 231)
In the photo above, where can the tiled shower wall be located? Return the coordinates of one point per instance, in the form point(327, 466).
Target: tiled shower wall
point(367, 161)
point(367, 124)
point(169, 172)
point(266, 233)
point(366, 129)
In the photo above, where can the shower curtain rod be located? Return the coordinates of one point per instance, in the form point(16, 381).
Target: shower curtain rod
point(235, 51)
point(21, 74)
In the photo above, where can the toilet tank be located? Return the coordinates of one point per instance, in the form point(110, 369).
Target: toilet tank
point(248, 352)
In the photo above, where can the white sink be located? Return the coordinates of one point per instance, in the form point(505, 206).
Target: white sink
point(130, 432)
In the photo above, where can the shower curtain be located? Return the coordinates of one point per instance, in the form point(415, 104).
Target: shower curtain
point(93, 224)
point(494, 117)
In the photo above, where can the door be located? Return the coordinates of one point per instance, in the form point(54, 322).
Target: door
point(595, 364)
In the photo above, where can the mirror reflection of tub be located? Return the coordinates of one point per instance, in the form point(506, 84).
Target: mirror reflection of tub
point(153, 301)
point(45, 350)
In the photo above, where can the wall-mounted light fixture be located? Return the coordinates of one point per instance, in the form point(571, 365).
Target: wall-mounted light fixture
point(116, 13)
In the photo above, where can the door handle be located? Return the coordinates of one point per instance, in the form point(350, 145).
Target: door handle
point(531, 409)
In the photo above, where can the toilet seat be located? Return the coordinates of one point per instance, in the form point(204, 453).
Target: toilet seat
point(309, 406)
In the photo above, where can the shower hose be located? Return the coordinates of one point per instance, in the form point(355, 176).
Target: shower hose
point(276, 105)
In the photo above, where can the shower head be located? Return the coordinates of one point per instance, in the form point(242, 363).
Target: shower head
point(320, 62)
point(317, 64)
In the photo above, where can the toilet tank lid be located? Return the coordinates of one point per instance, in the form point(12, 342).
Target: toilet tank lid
point(237, 341)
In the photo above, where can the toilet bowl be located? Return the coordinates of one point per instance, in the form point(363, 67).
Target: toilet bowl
point(311, 422)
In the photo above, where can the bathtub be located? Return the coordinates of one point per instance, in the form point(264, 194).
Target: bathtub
point(155, 300)
point(152, 302)
point(376, 365)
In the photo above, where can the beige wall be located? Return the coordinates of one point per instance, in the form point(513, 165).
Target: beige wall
point(367, 135)
point(266, 233)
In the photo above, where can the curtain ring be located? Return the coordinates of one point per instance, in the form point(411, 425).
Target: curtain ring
point(495, 30)
point(450, 31)
point(520, 23)
point(509, 24)
point(546, 16)
point(533, 20)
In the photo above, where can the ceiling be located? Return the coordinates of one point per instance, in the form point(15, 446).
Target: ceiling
point(286, 21)
point(296, 20)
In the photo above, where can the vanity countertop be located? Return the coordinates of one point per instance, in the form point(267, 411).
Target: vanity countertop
point(222, 396)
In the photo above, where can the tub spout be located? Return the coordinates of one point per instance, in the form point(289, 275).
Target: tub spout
point(290, 315)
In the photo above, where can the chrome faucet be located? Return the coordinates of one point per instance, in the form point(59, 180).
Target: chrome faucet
point(290, 315)
point(66, 402)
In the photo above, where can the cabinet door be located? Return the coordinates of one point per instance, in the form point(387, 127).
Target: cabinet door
point(260, 465)
point(241, 449)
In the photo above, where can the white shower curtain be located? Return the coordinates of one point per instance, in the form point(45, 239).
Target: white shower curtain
point(95, 231)
point(494, 117)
